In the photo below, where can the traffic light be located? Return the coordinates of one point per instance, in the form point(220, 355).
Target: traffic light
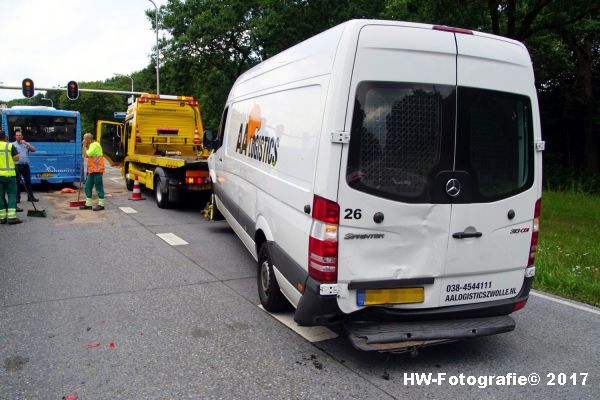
point(72, 90)
point(27, 87)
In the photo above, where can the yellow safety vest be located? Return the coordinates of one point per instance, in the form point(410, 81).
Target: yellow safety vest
point(7, 164)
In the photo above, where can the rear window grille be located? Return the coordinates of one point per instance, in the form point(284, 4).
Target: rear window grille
point(396, 139)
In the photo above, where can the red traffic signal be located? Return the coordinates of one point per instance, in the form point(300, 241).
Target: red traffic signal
point(72, 90)
point(27, 87)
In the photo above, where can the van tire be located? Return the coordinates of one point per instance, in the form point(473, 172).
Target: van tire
point(269, 293)
point(161, 194)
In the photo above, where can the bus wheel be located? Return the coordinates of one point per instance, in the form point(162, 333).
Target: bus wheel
point(160, 193)
point(270, 296)
point(128, 180)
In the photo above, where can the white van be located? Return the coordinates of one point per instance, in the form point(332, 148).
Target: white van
point(388, 175)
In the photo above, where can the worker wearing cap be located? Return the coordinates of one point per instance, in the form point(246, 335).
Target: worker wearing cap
point(95, 170)
point(8, 181)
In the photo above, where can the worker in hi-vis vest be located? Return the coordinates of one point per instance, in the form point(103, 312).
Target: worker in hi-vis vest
point(95, 169)
point(8, 181)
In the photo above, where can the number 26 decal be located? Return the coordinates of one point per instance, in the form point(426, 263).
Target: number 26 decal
point(353, 214)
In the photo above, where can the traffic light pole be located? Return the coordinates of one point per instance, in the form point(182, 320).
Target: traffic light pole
point(124, 92)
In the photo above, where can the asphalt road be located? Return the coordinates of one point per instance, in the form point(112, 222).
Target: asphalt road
point(95, 303)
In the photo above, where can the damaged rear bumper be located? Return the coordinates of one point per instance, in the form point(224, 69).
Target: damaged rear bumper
point(404, 336)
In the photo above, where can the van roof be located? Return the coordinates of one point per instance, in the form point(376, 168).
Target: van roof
point(317, 54)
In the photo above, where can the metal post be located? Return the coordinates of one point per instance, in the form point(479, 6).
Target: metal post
point(157, 50)
point(50, 100)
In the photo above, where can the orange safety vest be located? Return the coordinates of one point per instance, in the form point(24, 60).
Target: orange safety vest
point(95, 165)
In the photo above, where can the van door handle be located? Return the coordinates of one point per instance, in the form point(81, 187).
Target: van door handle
point(465, 235)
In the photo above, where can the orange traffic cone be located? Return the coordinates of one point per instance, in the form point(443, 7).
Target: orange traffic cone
point(136, 195)
point(197, 137)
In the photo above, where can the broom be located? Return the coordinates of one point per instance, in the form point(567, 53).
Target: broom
point(78, 203)
point(35, 212)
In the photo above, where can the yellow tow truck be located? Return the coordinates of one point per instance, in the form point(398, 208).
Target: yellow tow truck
point(162, 141)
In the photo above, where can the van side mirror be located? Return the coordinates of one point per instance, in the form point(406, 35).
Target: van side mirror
point(211, 140)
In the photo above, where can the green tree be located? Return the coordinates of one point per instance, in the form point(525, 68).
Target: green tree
point(563, 39)
point(211, 43)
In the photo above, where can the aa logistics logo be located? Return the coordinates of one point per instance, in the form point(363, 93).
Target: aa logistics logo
point(253, 144)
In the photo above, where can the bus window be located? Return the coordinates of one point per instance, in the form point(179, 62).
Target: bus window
point(44, 128)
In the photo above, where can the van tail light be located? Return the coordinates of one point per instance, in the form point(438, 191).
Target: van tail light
point(535, 233)
point(323, 241)
point(197, 137)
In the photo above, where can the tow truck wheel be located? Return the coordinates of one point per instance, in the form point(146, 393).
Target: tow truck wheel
point(271, 297)
point(128, 180)
point(161, 193)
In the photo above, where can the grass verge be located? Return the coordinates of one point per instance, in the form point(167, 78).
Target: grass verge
point(568, 256)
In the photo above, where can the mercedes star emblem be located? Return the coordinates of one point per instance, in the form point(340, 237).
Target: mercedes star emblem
point(453, 187)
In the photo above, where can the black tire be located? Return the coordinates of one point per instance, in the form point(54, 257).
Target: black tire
point(128, 180)
point(270, 295)
point(161, 193)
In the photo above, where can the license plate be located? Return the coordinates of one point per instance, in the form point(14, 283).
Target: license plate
point(369, 297)
point(199, 187)
point(44, 174)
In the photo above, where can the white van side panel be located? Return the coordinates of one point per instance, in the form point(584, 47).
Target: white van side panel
point(274, 184)
point(308, 59)
point(237, 228)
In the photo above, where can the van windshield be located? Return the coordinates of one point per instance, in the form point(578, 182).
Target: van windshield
point(408, 138)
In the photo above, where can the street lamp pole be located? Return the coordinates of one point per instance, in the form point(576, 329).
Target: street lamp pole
point(50, 100)
point(127, 76)
point(157, 50)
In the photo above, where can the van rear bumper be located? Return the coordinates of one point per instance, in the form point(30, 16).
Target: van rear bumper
point(315, 309)
point(403, 336)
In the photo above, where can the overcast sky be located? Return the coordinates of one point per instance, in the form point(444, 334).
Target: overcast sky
point(55, 41)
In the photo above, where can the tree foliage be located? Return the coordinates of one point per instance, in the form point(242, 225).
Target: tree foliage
point(207, 44)
point(211, 43)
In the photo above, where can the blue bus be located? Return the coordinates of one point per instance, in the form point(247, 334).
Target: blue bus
point(56, 135)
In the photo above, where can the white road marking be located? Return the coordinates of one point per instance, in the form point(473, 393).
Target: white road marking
point(172, 239)
point(311, 333)
point(128, 210)
point(589, 309)
point(117, 180)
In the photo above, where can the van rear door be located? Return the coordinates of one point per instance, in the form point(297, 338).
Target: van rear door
point(441, 168)
point(401, 117)
point(492, 215)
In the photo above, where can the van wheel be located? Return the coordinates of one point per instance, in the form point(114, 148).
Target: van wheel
point(160, 193)
point(128, 180)
point(271, 297)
